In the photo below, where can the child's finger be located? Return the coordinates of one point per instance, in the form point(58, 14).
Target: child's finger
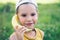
point(22, 29)
point(18, 28)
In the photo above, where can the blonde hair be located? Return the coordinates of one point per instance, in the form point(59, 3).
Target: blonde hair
point(22, 2)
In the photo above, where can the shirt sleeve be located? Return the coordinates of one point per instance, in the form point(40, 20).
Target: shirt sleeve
point(42, 33)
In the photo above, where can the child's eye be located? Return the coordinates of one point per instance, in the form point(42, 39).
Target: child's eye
point(33, 14)
point(24, 15)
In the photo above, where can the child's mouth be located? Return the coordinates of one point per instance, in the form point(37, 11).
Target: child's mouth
point(29, 24)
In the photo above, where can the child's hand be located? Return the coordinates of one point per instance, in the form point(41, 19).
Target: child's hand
point(20, 32)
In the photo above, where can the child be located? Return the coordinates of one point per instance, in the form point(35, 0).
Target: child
point(27, 13)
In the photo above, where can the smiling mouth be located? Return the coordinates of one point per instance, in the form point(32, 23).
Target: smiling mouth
point(29, 24)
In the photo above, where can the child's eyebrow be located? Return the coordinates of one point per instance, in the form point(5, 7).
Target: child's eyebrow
point(23, 13)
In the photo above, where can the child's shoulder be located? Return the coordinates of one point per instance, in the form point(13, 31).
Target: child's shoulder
point(13, 36)
point(40, 31)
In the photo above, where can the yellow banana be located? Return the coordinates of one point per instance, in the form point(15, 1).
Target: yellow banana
point(15, 23)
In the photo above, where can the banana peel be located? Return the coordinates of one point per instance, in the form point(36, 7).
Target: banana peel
point(15, 23)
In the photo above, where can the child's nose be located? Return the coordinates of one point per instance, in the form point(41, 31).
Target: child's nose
point(29, 18)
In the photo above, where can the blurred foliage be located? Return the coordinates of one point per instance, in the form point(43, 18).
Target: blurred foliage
point(9, 7)
point(48, 21)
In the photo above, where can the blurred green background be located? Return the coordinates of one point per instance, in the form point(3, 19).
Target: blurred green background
point(48, 21)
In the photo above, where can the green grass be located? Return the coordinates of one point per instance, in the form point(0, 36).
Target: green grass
point(48, 21)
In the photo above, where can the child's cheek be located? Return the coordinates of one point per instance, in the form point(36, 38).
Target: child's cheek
point(35, 20)
point(22, 20)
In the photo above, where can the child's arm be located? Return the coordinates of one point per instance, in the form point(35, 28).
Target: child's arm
point(13, 37)
point(19, 34)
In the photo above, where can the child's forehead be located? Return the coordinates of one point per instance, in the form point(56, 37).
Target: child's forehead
point(27, 7)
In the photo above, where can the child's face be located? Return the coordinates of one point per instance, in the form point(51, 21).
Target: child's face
point(27, 14)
